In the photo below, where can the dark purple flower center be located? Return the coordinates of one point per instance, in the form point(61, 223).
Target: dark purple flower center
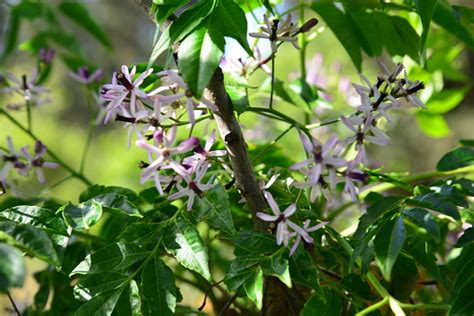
point(318, 153)
point(358, 176)
point(19, 165)
point(360, 137)
point(24, 82)
point(198, 149)
point(124, 81)
point(10, 158)
point(193, 186)
point(188, 93)
point(281, 218)
point(273, 34)
point(38, 162)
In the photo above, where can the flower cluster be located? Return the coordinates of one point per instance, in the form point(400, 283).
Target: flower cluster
point(276, 31)
point(23, 161)
point(144, 111)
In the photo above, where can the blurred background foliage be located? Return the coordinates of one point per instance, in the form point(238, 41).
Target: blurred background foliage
point(111, 33)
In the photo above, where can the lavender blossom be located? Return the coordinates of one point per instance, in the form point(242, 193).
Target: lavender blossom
point(274, 31)
point(308, 230)
point(26, 86)
point(11, 159)
point(84, 76)
point(282, 221)
point(193, 186)
point(37, 161)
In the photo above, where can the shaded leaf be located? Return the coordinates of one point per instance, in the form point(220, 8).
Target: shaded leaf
point(113, 257)
point(158, 288)
point(387, 245)
point(12, 268)
point(241, 269)
point(324, 302)
point(425, 10)
point(98, 283)
point(102, 305)
point(457, 158)
point(214, 209)
point(82, 216)
point(30, 239)
point(182, 240)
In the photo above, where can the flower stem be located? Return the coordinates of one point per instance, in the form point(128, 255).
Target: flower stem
point(272, 88)
point(28, 116)
point(302, 43)
point(73, 172)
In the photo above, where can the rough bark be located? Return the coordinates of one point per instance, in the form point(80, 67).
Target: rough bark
point(278, 299)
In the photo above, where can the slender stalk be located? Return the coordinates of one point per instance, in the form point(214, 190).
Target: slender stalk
point(373, 307)
point(425, 306)
point(85, 151)
point(302, 43)
point(273, 142)
point(29, 123)
point(73, 172)
point(272, 88)
point(417, 177)
point(15, 308)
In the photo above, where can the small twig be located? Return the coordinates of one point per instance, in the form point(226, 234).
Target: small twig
point(227, 305)
point(17, 311)
point(207, 293)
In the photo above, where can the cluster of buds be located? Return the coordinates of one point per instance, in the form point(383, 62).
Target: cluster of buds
point(23, 161)
point(376, 101)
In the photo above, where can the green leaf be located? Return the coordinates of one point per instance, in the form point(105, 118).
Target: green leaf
point(423, 253)
point(424, 219)
point(30, 239)
point(288, 95)
point(278, 266)
point(324, 302)
point(36, 216)
point(254, 287)
point(117, 203)
point(182, 240)
point(241, 270)
point(387, 245)
point(78, 13)
point(214, 209)
point(411, 40)
point(102, 305)
point(446, 100)
point(182, 26)
point(457, 158)
point(130, 303)
point(425, 10)
point(95, 284)
point(404, 277)
point(199, 56)
point(12, 268)
point(463, 304)
point(113, 257)
point(445, 16)
point(391, 37)
point(467, 237)
point(440, 203)
point(98, 190)
point(141, 234)
point(82, 216)
point(433, 125)
point(337, 21)
point(252, 242)
point(158, 289)
point(367, 31)
point(165, 9)
point(231, 20)
point(302, 269)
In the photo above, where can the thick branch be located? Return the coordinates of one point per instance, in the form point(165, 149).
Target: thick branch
point(231, 133)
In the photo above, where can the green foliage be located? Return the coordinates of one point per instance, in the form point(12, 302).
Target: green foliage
point(12, 268)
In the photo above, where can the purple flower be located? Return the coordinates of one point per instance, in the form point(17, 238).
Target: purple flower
point(174, 83)
point(193, 185)
point(320, 157)
point(46, 55)
point(11, 159)
point(26, 86)
point(123, 86)
point(202, 154)
point(308, 230)
point(84, 76)
point(160, 153)
point(352, 174)
point(274, 31)
point(282, 221)
point(37, 161)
